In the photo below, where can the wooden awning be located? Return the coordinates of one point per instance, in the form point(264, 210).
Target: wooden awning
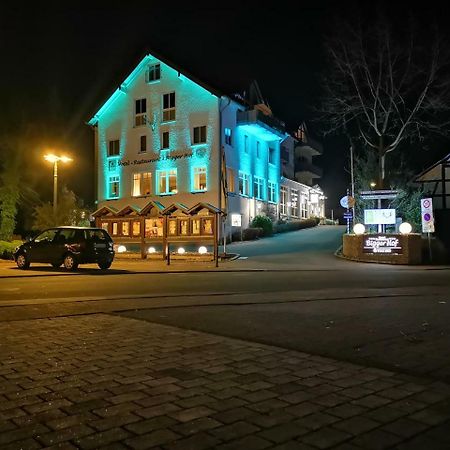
point(105, 211)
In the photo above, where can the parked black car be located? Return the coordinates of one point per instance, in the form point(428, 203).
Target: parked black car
point(69, 246)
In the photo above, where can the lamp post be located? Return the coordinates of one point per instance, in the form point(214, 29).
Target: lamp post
point(55, 159)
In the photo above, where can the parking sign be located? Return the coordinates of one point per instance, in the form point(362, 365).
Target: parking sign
point(426, 205)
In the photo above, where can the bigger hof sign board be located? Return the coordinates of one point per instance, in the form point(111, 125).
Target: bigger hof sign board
point(382, 243)
point(426, 206)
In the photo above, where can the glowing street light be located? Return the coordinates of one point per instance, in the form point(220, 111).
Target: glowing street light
point(54, 160)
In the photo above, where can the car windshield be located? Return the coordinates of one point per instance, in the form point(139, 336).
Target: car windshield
point(46, 236)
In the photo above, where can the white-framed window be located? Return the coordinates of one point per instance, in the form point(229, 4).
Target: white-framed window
point(258, 150)
point(114, 148)
point(245, 143)
point(153, 72)
point(272, 155)
point(142, 184)
point(283, 200)
point(199, 179)
point(244, 184)
point(294, 202)
point(143, 144)
point(168, 108)
point(199, 135)
point(231, 180)
point(258, 188)
point(228, 136)
point(165, 140)
point(304, 206)
point(140, 112)
point(114, 187)
point(167, 181)
point(272, 190)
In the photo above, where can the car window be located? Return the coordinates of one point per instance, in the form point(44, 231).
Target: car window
point(98, 235)
point(46, 236)
point(66, 236)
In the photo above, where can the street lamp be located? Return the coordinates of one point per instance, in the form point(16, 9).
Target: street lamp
point(55, 159)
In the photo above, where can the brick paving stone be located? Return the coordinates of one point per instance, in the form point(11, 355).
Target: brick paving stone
point(356, 392)
point(304, 409)
point(148, 425)
point(114, 421)
point(385, 414)
point(376, 440)
point(246, 443)
point(195, 401)
point(283, 432)
point(268, 405)
point(27, 444)
point(225, 405)
point(149, 440)
point(233, 415)
point(258, 396)
point(405, 427)
point(272, 419)
point(293, 445)
point(317, 420)
point(356, 425)
point(422, 442)
point(98, 440)
point(234, 430)
point(187, 415)
point(330, 400)
point(371, 401)
point(195, 426)
point(200, 441)
point(325, 437)
point(22, 433)
point(431, 416)
point(64, 434)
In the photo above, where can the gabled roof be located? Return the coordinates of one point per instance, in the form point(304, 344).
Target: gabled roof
point(204, 205)
point(152, 204)
point(145, 60)
point(128, 209)
point(176, 207)
point(434, 172)
point(104, 210)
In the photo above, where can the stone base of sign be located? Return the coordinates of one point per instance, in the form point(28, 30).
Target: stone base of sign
point(411, 249)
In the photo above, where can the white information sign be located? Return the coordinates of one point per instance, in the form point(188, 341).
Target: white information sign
point(426, 206)
point(379, 216)
point(236, 220)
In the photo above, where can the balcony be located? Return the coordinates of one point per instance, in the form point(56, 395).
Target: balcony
point(309, 145)
point(265, 127)
point(305, 167)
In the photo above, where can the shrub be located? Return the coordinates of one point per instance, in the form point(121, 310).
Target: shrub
point(263, 222)
point(7, 249)
point(252, 233)
point(297, 225)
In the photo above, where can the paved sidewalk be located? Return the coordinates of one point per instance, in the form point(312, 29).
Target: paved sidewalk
point(102, 381)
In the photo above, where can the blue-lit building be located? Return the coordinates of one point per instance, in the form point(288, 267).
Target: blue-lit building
point(167, 137)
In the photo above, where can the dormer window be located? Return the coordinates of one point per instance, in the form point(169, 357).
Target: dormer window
point(153, 72)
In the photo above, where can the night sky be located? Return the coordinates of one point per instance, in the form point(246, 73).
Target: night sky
point(61, 62)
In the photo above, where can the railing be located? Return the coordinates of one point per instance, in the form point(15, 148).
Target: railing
point(254, 116)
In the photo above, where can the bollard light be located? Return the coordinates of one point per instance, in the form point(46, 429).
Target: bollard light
point(202, 250)
point(181, 251)
point(359, 228)
point(121, 249)
point(405, 228)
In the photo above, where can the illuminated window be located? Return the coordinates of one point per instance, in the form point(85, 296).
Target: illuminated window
point(199, 135)
point(258, 188)
point(115, 228)
point(244, 184)
point(272, 155)
point(136, 228)
point(153, 227)
point(153, 72)
point(104, 226)
point(167, 181)
point(304, 206)
point(184, 227)
point(114, 148)
point(228, 136)
point(245, 143)
point(294, 202)
point(114, 187)
point(258, 149)
point(140, 112)
point(199, 178)
point(142, 184)
point(207, 226)
point(125, 228)
point(283, 200)
point(143, 144)
point(173, 227)
point(230, 180)
point(169, 107)
point(196, 226)
point(164, 140)
point(272, 189)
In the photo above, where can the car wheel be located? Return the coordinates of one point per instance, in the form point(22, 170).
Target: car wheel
point(56, 265)
point(70, 262)
point(22, 261)
point(104, 265)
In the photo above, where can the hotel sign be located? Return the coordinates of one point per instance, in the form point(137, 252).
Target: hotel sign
point(382, 243)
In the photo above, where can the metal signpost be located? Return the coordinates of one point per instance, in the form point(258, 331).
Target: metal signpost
point(426, 207)
point(348, 202)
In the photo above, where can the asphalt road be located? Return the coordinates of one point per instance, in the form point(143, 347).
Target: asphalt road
point(291, 291)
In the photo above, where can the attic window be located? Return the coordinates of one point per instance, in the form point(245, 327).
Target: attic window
point(153, 72)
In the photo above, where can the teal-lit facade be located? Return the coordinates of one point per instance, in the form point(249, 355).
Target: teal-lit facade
point(154, 122)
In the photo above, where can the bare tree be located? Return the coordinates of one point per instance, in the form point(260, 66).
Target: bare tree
point(385, 87)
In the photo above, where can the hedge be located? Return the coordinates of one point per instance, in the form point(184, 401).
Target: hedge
point(296, 225)
point(7, 249)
